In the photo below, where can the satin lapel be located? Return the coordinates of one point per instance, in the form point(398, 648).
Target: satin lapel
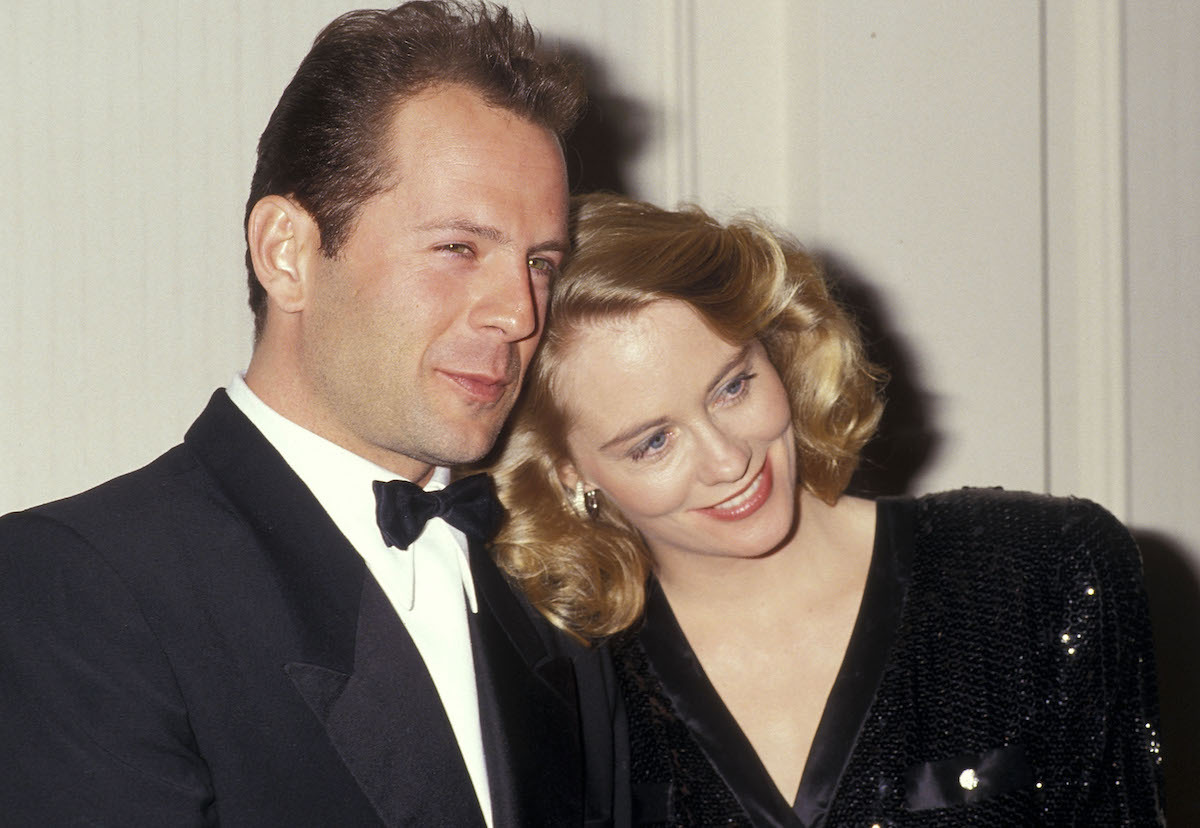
point(320, 573)
point(528, 710)
point(355, 664)
point(388, 724)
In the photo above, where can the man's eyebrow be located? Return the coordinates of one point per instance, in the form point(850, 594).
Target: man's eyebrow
point(494, 234)
point(552, 246)
point(485, 231)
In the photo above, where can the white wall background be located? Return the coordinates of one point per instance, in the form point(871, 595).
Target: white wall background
point(1010, 191)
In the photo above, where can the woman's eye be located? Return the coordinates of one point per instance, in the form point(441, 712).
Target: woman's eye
point(651, 445)
point(737, 386)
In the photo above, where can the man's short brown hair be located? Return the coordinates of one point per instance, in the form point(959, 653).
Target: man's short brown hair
point(324, 146)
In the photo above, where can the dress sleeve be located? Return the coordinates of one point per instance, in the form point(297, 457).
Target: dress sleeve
point(1127, 784)
point(93, 725)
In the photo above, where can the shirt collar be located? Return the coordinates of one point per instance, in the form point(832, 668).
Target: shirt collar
point(342, 482)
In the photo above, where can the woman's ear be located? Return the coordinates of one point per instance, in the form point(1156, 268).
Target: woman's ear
point(568, 475)
point(281, 237)
point(579, 493)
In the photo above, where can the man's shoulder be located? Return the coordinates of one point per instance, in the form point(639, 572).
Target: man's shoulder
point(176, 489)
point(130, 523)
point(175, 496)
point(125, 501)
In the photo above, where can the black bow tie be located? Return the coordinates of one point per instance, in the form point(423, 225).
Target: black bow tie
point(469, 505)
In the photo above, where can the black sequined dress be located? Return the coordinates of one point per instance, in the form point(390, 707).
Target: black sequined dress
point(1000, 673)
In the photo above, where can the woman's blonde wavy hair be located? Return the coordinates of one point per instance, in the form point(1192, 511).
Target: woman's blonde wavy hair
point(587, 575)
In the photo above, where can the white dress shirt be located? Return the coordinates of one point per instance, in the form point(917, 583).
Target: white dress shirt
point(429, 584)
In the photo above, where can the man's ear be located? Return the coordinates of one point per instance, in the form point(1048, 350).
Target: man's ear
point(282, 238)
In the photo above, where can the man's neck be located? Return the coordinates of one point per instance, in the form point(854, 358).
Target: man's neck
point(284, 394)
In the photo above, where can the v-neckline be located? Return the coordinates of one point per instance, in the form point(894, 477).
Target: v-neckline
point(718, 734)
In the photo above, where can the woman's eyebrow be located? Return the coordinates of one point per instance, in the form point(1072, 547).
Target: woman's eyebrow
point(737, 358)
point(722, 372)
point(630, 433)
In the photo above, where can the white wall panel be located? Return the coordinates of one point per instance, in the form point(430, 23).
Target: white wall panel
point(1163, 143)
point(740, 98)
point(1086, 319)
point(926, 185)
point(117, 229)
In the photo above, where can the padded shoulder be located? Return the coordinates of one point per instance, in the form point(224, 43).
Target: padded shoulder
point(1034, 523)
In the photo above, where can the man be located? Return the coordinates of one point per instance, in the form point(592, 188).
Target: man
point(227, 635)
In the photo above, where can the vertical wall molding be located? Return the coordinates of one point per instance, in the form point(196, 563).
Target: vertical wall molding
point(679, 92)
point(1086, 291)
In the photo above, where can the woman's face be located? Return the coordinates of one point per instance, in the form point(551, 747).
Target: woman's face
point(688, 435)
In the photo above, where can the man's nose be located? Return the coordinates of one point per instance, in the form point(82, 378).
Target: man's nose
point(507, 300)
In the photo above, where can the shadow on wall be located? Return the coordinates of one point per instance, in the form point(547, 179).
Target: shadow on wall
point(907, 440)
point(611, 133)
point(1174, 593)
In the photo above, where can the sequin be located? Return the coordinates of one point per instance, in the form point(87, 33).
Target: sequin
point(968, 780)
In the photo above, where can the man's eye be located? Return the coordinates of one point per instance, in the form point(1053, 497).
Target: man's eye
point(544, 265)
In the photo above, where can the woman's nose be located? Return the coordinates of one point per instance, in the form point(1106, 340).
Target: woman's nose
point(726, 457)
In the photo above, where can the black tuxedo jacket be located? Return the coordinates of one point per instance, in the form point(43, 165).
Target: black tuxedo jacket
point(196, 643)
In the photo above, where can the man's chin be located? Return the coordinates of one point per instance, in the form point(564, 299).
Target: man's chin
point(468, 445)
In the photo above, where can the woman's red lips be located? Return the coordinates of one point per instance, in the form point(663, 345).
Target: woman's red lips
point(746, 502)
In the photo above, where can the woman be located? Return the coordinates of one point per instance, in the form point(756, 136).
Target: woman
point(793, 655)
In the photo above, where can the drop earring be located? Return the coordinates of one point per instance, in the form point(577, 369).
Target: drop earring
point(584, 501)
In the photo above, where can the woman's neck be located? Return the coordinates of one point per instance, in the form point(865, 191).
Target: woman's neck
point(771, 632)
point(830, 547)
